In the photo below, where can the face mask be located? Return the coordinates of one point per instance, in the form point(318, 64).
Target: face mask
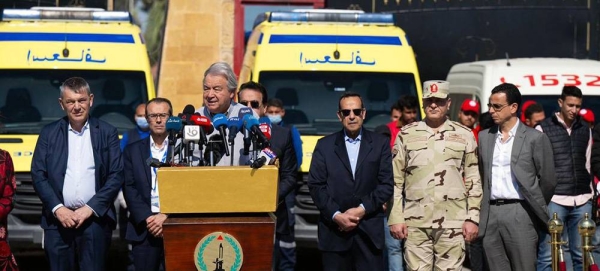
point(141, 122)
point(275, 119)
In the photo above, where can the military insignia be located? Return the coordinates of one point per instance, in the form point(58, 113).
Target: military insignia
point(218, 251)
point(434, 88)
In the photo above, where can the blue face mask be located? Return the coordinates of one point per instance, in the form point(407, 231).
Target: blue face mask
point(141, 122)
point(275, 119)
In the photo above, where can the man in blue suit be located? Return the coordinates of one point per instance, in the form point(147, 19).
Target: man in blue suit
point(77, 173)
point(144, 228)
point(350, 179)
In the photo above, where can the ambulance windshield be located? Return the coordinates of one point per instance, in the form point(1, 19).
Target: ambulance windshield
point(29, 98)
point(311, 99)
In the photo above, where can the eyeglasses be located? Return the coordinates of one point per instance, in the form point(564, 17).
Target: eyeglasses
point(497, 107)
point(253, 104)
point(346, 112)
point(156, 116)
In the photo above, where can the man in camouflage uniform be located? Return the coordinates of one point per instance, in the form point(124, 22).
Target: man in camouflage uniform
point(437, 191)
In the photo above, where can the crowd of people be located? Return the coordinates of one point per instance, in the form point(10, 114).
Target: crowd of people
point(487, 184)
point(411, 195)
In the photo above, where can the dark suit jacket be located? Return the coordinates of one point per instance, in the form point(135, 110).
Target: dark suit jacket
point(532, 163)
point(333, 188)
point(282, 145)
point(137, 188)
point(595, 160)
point(49, 166)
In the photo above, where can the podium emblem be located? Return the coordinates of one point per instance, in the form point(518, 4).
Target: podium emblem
point(218, 251)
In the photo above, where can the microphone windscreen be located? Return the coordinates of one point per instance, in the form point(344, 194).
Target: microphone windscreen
point(219, 120)
point(189, 109)
point(149, 161)
point(244, 111)
point(216, 145)
point(265, 120)
point(250, 121)
point(234, 122)
point(204, 123)
point(173, 124)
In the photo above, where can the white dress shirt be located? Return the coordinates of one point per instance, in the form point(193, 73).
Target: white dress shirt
point(504, 183)
point(161, 155)
point(80, 178)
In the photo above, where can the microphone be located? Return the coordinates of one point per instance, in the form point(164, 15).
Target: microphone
point(265, 126)
point(245, 111)
point(251, 124)
point(191, 137)
point(220, 122)
point(173, 126)
point(206, 127)
point(153, 162)
point(214, 149)
point(188, 111)
point(191, 133)
point(235, 125)
point(266, 156)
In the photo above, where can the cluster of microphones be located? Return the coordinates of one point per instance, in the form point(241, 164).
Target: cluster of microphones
point(191, 143)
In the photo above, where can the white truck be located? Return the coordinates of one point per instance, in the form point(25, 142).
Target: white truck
point(538, 79)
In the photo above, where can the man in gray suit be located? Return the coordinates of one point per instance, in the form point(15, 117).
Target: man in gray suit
point(517, 167)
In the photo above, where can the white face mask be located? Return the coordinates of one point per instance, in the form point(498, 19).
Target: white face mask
point(141, 122)
point(275, 119)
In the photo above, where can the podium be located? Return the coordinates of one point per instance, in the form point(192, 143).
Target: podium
point(220, 218)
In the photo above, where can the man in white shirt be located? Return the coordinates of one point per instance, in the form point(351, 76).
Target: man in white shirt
point(77, 173)
point(517, 170)
point(220, 84)
point(144, 228)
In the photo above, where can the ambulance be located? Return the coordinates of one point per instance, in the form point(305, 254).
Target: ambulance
point(538, 79)
point(40, 48)
point(309, 58)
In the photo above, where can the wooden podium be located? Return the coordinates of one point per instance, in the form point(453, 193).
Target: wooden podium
point(220, 218)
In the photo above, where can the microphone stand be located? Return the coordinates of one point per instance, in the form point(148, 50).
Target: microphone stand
point(254, 148)
point(171, 148)
point(247, 141)
point(201, 162)
point(190, 153)
point(231, 162)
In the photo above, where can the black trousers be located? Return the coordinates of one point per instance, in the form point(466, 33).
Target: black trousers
point(362, 256)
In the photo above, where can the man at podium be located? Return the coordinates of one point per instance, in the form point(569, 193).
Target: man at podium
point(350, 178)
point(144, 228)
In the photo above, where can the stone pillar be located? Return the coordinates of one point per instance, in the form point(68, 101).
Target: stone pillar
point(197, 34)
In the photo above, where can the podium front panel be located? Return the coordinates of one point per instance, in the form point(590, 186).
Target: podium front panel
point(186, 190)
point(184, 235)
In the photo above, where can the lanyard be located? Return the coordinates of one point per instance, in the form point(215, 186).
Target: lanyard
point(163, 160)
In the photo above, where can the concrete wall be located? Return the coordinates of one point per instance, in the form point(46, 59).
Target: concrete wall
point(197, 34)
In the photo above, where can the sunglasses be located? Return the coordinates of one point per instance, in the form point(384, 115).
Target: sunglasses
point(253, 104)
point(497, 107)
point(346, 112)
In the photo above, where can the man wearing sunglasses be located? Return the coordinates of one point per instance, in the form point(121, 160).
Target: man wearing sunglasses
point(350, 178)
point(517, 167)
point(220, 84)
point(438, 188)
point(284, 254)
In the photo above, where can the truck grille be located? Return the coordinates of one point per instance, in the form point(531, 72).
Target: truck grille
point(28, 206)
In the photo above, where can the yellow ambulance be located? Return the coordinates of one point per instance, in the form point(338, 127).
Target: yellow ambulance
point(42, 47)
point(309, 58)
